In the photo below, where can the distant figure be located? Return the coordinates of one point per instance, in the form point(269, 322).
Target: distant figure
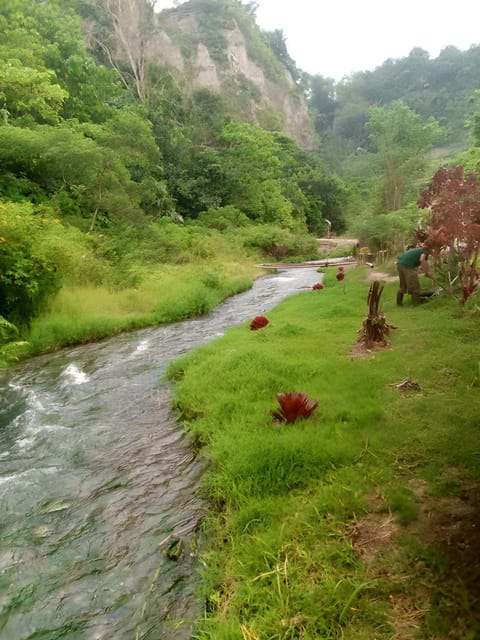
point(329, 227)
point(408, 265)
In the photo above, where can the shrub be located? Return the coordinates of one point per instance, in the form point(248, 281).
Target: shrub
point(453, 198)
point(275, 242)
point(223, 218)
point(28, 275)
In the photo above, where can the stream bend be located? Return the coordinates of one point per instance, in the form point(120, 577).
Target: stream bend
point(96, 478)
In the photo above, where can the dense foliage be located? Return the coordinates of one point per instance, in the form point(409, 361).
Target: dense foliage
point(387, 131)
point(105, 144)
point(28, 272)
point(100, 144)
point(440, 88)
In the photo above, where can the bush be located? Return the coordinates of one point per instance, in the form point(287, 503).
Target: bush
point(274, 242)
point(165, 242)
point(388, 230)
point(79, 258)
point(223, 218)
point(28, 275)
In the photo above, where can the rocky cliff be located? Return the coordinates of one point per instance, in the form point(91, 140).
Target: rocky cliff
point(229, 56)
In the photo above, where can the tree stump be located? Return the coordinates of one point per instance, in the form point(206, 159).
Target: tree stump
point(375, 327)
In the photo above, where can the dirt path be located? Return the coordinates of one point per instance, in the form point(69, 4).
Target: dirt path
point(336, 242)
point(378, 275)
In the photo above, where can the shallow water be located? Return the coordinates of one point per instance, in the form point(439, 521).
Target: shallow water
point(97, 478)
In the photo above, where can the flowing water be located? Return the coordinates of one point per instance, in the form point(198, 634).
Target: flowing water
point(97, 478)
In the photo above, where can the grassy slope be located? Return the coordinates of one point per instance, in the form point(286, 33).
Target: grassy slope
point(338, 526)
point(167, 293)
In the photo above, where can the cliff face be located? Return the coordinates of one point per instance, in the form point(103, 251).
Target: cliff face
point(254, 94)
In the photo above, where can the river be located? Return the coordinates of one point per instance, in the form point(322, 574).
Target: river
point(97, 478)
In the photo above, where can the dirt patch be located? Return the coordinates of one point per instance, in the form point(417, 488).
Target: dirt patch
point(337, 242)
point(407, 617)
point(360, 350)
point(372, 534)
point(449, 527)
point(452, 524)
point(374, 539)
point(378, 275)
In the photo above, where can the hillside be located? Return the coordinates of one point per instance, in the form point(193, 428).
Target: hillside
point(206, 44)
point(255, 84)
point(135, 142)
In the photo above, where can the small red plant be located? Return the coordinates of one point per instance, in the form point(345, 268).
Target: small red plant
point(294, 405)
point(318, 286)
point(340, 274)
point(258, 323)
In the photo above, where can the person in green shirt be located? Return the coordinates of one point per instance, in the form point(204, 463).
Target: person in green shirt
point(408, 266)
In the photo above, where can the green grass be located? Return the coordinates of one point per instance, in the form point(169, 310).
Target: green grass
point(141, 277)
point(281, 558)
point(164, 294)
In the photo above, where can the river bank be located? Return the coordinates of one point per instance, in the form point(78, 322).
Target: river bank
point(162, 294)
point(97, 478)
point(359, 521)
point(167, 294)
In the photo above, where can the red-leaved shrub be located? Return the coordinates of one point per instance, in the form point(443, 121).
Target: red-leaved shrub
point(453, 232)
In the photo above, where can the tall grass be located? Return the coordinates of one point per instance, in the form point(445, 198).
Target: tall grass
point(131, 277)
point(285, 500)
point(163, 294)
point(159, 274)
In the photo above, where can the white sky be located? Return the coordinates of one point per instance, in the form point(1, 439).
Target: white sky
point(334, 38)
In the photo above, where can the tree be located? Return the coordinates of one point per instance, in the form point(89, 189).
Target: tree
point(375, 327)
point(62, 160)
point(126, 38)
point(321, 94)
point(453, 234)
point(401, 139)
point(29, 94)
point(277, 42)
point(474, 122)
point(28, 276)
point(208, 114)
point(42, 43)
point(253, 170)
point(390, 231)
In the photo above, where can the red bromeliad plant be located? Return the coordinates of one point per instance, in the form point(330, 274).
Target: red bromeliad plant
point(318, 286)
point(340, 276)
point(453, 234)
point(258, 323)
point(294, 405)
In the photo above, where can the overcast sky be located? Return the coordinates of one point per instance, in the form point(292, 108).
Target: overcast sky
point(337, 37)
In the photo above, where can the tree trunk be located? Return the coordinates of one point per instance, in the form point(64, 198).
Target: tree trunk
point(375, 327)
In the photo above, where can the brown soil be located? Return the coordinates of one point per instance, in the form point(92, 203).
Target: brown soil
point(450, 526)
point(361, 350)
point(378, 275)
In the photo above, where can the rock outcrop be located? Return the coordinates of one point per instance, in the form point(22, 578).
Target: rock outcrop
point(254, 93)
